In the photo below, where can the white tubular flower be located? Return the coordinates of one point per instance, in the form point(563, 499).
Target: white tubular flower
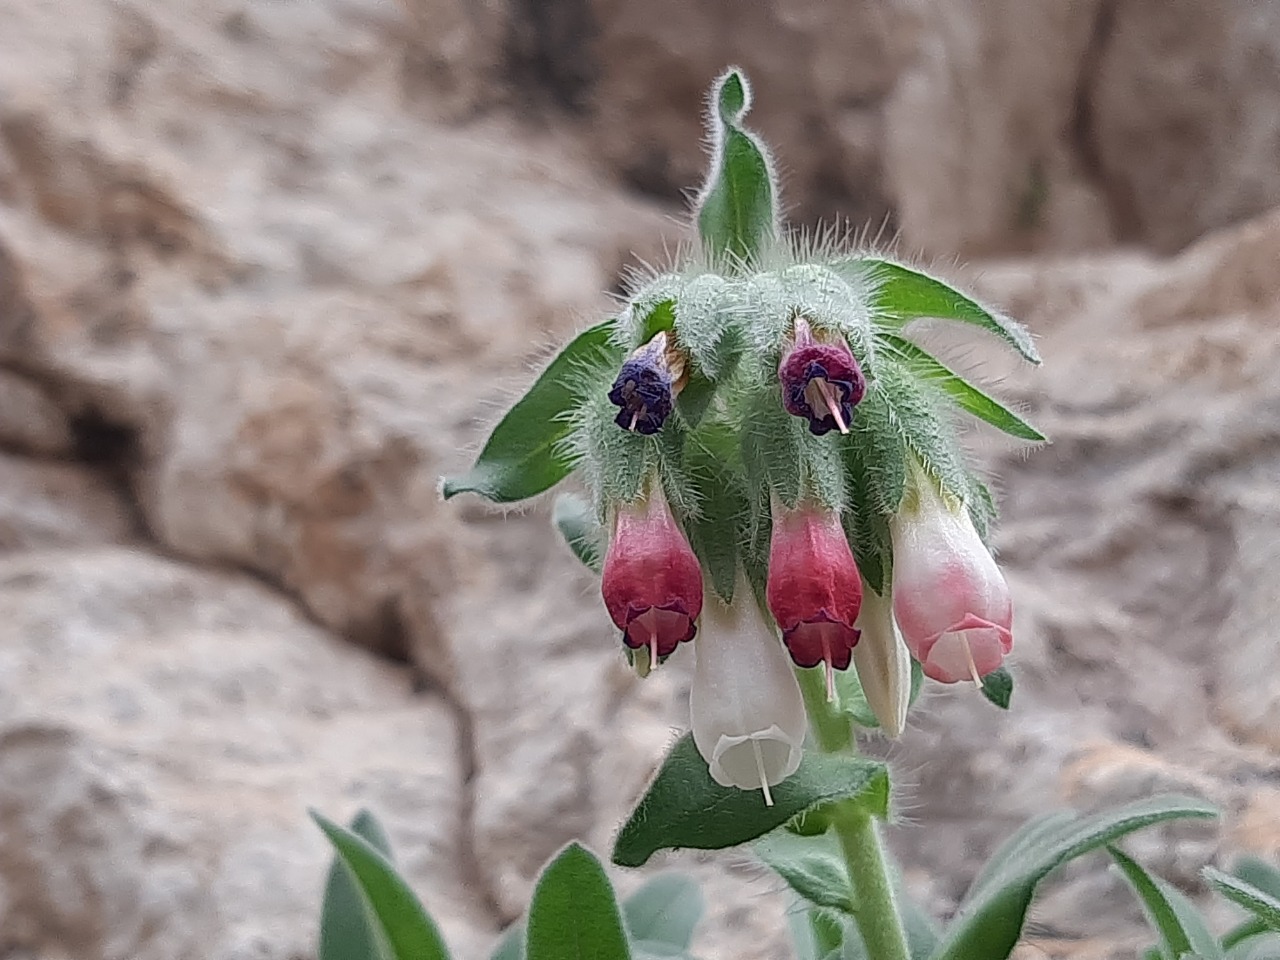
point(746, 710)
point(883, 662)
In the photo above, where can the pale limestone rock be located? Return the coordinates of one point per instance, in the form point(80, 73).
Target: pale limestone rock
point(50, 504)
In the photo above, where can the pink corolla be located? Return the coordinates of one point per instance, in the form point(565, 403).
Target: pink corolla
point(652, 582)
point(814, 590)
point(949, 598)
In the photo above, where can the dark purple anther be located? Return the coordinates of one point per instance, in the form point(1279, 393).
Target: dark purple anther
point(646, 386)
point(821, 381)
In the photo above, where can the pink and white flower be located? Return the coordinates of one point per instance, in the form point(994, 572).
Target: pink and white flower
point(949, 597)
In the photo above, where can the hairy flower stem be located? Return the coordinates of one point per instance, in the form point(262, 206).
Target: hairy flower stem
point(874, 903)
point(831, 729)
point(875, 907)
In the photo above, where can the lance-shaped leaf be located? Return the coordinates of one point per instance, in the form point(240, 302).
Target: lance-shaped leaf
point(573, 914)
point(576, 521)
point(1175, 919)
point(903, 294)
point(409, 931)
point(964, 394)
point(348, 931)
point(684, 807)
point(715, 529)
point(526, 453)
point(990, 921)
point(737, 209)
point(1264, 906)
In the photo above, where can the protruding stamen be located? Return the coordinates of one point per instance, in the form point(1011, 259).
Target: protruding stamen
point(764, 782)
point(973, 667)
point(635, 418)
point(653, 648)
point(826, 666)
point(828, 394)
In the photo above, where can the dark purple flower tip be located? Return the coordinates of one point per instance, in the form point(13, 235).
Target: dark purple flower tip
point(646, 387)
point(821, 382)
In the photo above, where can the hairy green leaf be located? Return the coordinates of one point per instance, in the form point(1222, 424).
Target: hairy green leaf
point(1264, 906)
point(684, 807)
point(903, 294)
point(964, 394)
point(811, 866)
point(573, 914)
point(348, 930)
point(717, 526)
point(576, 521)
point(737, 208)
point(1180, 927)
point(409, 932)
point(990, 921)
point(526, 453)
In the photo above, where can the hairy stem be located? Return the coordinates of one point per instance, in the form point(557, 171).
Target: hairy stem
point(832, 729)
point(875, 908)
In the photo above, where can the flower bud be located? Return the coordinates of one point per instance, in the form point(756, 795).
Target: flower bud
point(745, 705)
point(821, 380)
point(647, 385)
point(883, 663)
point(948, 594)
point(652, 582)
point(814, 589)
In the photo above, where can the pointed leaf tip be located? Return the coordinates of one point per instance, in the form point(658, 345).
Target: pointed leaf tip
point(733, 97)
point(573, 914)
point(405, 926)
point(737, 208)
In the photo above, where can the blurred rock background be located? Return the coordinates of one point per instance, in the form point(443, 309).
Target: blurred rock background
point(268, 268)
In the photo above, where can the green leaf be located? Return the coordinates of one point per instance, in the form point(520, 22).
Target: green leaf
point(684, 807)
point(695, 398)
point(737, 208)
point(347, 928)
point(990, 922)
point(965, 395)
point(573, 914)
point(811, 866)
point(1180, 927)
point(526, 453)
point(409, 931)
point(903, 295)
point(1266, 877)
point(661, 317)
point(1258, 902)
point(997, 686)
point(1259, 873)
point(577, 523)
point(665, 910)
point(716, 529)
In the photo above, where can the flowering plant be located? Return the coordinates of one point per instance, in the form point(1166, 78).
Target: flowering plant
point(774, 481)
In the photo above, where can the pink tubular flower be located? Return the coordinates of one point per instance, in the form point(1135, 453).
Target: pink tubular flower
point(652, 582)
point(814, 590)
point(949, 597)
point(821, 380)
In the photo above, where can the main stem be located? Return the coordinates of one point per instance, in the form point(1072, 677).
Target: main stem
point(875, 909)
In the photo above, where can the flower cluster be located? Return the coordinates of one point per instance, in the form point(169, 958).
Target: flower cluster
point(950, 607)
point(773, 474)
